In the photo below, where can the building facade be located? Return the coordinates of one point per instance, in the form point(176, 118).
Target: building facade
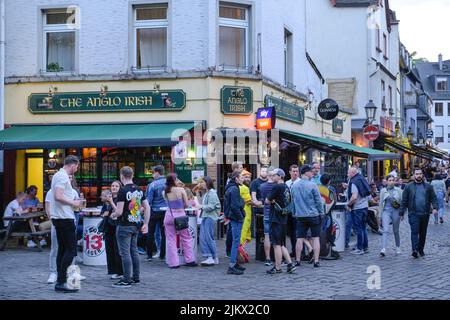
point(110, 80)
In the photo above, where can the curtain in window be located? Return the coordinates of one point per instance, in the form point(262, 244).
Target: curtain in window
point(61, 50)
point(152, 47)
point(232, 46)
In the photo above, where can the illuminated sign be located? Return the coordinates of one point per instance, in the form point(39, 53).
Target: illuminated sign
point(265, 118)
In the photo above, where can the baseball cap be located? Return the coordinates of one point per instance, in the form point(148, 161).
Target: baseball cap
point(306, 168)
point(279, 172)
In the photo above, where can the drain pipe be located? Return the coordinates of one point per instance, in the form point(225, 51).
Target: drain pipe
point(2, 73)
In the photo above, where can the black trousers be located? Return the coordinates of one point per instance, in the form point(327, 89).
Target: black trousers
point(67, 246)
point(419, 226)
point(156, 217)
point(113, 259)
point(292, 232)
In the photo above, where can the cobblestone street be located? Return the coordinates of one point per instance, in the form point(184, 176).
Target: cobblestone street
point(402, 277)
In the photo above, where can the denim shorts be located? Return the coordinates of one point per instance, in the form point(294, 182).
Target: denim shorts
point(308, 223)
point(266, 226)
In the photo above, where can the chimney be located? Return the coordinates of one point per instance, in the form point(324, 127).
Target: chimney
point(440, 62)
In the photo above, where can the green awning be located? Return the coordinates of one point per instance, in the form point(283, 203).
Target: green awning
point(91, 135)
point(344, 147)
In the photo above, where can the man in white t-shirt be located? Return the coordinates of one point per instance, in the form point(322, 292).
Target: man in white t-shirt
point(14, 206)
point(63, 218)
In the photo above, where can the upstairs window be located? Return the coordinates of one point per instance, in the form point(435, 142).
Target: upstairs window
point(150, 29)
point(233, 36)
point(59, 39)
point(439, 109)
point(441, 84)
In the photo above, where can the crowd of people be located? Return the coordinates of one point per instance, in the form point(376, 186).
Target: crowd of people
point(149, 222)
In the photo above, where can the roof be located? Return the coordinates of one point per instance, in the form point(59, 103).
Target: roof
point(426, 71)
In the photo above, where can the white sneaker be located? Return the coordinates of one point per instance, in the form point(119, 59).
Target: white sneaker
point(156, 255)
point(115, 277)
point(43, 243)
point(383, 252)
point(216, 261)
point(357, 252)
point(398, 251)
point(52, 278)
point(31, 244)
point(208, 262)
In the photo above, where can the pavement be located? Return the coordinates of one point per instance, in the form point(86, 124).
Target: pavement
point(23, 275)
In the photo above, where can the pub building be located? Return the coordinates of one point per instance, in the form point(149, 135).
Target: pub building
point(112, 124)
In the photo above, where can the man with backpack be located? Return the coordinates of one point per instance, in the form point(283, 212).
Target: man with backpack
point(279, 199)
point(358, 205)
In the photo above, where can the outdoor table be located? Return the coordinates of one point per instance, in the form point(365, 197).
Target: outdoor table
point(27, 217)
point(94, 253)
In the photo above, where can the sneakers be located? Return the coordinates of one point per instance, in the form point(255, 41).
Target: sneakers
point(366, 250)
point(274, 271)
point(116, 276)
point(208, 262)
point(52, 278)
point(122, 284)
point(135, 281)
point(383, 252)
point(398, 251)
point(156, 255)
point(291, 268)
point(415, 254)
point(149, 259)
point(43, 243)
point(31, 244)
point(441, 220)
point(297, 264)
point(234, 271)
point(62, 287)
point(239, 267)
point(316, 264)
point(141, 251)
point(190, 264)
point(357, 252)
point(268, 263)
point(216, 260)
point(421, 253)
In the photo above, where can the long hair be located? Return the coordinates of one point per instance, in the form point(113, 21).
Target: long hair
point(170, 182)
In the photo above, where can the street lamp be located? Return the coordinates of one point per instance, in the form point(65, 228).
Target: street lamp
point(371, 110)
point(410, 135)
point(397, 128)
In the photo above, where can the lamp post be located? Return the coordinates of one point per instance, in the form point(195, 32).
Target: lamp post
point(410, 135)
point(371, 111)
point(397, 129)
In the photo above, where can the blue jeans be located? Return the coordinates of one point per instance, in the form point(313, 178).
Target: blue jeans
point(348, 227)
point(127, 243)
point(359, 217)
point(236, 228)
point(440, 198)
point(419, 225)
point(158, 236)
point(207, 242)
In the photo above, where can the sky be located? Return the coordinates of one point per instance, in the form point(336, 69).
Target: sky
point(424, 26)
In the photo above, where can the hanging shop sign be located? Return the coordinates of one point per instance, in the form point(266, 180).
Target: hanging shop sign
point(430, 134)
point(265, 118)
point(285, 110)
point(236, 100)
point(109, 101)
point(371, 133)
point(338, 126)
point(328, 109)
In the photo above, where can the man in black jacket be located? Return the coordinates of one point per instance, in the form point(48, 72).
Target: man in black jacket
point(419, 198)
point(234, 211)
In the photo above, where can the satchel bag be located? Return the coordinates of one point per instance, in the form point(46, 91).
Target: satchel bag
point(180, 223)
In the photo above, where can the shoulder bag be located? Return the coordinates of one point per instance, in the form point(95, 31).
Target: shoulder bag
point(180, 223)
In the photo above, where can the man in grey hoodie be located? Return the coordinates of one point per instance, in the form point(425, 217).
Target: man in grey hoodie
point(309, 210)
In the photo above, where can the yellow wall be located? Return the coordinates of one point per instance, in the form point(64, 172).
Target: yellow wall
point(20, 170)
point(36, 175)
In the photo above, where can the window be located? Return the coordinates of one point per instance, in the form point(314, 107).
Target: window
point(439, 109)
point(390, 98)
point(439, 134)
point(448, 134)
point(233, 36)
point(378, 39)
point(288, 65)
point(59, 40)
point(448, 109)
point(385, 48)
point(441, 84)
point(383, 95)
point(150, 29)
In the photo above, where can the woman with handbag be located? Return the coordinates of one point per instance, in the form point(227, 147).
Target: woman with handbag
point(113, 259)
point(390, 200)
point(176, 221)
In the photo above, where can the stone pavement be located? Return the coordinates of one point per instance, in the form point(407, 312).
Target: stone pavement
point(23, 275)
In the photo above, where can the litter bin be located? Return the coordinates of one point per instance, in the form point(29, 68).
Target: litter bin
point(194, 234)
point(338, 214)
point(94, 253)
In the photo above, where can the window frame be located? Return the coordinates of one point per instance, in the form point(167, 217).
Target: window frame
point(59, 28)
point(435, 110)
point(288, 53)
point(441, 80)
point(378, 39)
point(149, 24)
point(436, 137)
point(386, 46)
point(235, 23)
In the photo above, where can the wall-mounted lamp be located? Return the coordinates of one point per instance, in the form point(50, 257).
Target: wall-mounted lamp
point(51, 91)
point(156, 87)
point(103, 90)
